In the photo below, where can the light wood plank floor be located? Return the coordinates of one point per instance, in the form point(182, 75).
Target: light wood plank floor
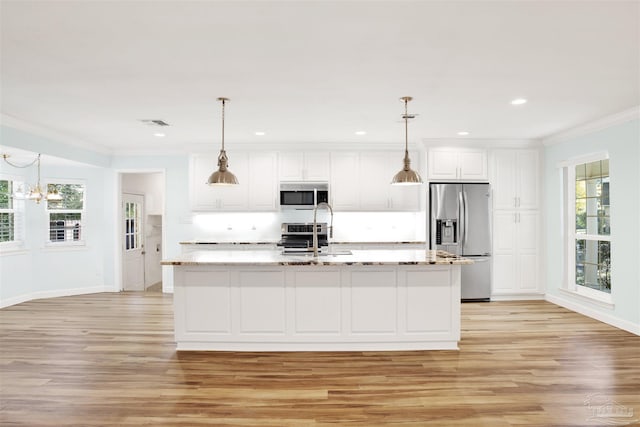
point(109, 360)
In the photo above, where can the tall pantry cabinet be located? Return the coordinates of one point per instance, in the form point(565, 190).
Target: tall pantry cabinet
point(516, 222)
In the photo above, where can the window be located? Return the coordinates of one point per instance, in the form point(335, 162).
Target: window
point(66, 216)
point(589, 227)
point(11, 213)
point(133, 222)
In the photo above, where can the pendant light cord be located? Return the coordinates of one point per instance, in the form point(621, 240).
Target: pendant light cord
point(223, 102)
point(406, 128)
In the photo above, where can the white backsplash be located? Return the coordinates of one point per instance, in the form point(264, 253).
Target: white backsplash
point(348, 226)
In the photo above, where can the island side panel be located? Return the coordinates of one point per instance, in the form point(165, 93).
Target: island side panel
point(287, 308)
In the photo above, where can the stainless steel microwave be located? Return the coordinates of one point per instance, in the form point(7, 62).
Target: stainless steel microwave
point(303, 195)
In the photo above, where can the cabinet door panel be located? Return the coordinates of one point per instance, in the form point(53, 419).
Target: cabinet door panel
point(344, 181)
point(202, 198)
point(290, 166)
point(262, 183)
point(504, 273)
point(443, 164)
point(504, 185)
point(528, 272)
point(473, 164)
point(317, 166)
point(528, 231)
point(375, 181)
point(504, 233)
point(527, 178)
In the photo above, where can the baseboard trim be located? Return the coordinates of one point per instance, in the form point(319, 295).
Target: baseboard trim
point(53, 294)
point(609, 319)
point(518, 297)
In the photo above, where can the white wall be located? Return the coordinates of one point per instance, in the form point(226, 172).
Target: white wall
point(622, 141)
point(39, 270)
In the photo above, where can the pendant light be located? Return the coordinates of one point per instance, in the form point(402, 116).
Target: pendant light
point(222, 176)
point(406, 176)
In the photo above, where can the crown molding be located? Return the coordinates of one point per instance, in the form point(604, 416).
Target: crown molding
point(594, 126)
point(19, 124)
point(480, 143)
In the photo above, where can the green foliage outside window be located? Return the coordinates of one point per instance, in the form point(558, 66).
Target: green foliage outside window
point(72, 196)
point(592, 218)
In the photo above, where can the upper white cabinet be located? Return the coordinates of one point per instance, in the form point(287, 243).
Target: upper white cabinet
point(304, 166)
point(256, 191)
point(345, 181)
point(515, 179)
point(361, 181)
point(465, 164)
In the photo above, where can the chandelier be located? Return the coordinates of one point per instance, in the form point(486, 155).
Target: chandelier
point(34, 192)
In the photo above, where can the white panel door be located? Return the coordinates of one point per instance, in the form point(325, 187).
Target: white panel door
point(133, 242)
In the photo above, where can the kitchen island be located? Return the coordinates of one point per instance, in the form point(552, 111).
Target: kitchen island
point(350, 300)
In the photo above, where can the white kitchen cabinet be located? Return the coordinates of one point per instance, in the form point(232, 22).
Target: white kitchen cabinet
point(463, 164)
point(262, 182)
point(304, 166)
point(362, 182)
point(515, 179)
point(344, 189)
point(256, 191)
point(516, 253)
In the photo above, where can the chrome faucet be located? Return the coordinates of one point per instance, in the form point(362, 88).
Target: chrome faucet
point(315, 226)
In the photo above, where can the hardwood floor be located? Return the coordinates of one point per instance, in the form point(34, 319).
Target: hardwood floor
point(109, 360)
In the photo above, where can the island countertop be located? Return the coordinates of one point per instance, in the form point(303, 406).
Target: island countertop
point(353, 257)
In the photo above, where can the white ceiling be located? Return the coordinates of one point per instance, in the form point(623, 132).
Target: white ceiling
point(314, 71)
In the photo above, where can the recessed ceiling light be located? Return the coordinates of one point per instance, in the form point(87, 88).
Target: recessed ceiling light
point(159, 135)
point(260, 133)
point(361, 132)
point(463, 133)
point(518, 101)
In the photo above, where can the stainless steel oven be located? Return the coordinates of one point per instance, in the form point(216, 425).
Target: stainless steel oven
point(303, 195)
point(298, 237)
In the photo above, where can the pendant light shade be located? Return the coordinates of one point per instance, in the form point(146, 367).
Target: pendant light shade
point(222, 176)
point(406, 176)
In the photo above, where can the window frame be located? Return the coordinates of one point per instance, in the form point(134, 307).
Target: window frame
point(83, 218)
point(569, 228)
point(17, 210)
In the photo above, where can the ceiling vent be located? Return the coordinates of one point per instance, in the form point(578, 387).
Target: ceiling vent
point(155, 122)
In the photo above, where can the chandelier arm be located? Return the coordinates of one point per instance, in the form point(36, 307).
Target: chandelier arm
point(6, 159)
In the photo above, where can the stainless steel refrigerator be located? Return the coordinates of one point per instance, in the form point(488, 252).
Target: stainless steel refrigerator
point(460, 223)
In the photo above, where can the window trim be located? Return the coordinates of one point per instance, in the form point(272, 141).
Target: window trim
point(569, 234)
point(18, 211)
point(83, 218)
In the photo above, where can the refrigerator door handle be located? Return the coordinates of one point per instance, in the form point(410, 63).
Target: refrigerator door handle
point(466, 218)
point(461, 224)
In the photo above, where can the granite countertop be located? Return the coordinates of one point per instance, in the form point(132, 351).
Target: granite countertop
point(355, 257)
